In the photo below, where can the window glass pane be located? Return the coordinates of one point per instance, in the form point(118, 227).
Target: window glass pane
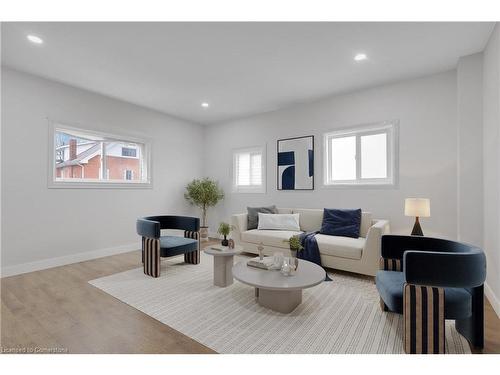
point(76, 157)
point(343, 158)
point(374, 156)
point(120, 159)
point(243, 169)
point(256, 169)
point(79, 156)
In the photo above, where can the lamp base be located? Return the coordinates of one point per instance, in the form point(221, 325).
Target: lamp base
point(417, 229)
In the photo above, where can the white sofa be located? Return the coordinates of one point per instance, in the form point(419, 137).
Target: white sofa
point(359, 255)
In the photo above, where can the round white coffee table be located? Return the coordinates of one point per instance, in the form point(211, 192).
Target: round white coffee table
point(276, 291)
point(223, 264)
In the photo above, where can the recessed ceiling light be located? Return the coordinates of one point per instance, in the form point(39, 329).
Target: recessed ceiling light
point(34, 39)
point(360, 57)
point(205, 105)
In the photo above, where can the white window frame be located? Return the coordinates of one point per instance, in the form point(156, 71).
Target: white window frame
point(250, 189)
point(146, 166)
point(391, 128)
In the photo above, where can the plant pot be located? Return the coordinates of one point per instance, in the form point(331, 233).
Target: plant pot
point(293, 252)
point(203, 234)
point(225, 242)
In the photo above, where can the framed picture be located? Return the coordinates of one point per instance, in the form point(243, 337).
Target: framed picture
point(295, 163)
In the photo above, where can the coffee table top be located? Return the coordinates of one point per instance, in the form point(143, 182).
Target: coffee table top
point(307, 275)
point(223, 253)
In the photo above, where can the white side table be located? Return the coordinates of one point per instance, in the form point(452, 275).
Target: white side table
point(223, 264)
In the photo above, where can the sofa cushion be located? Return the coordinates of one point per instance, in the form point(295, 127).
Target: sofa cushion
point(279, 222)
point(174, 245)
point(341, 222)
point(310, 219)
point(275, 238)
point(343, 247)
point(457, 301)
point(253, 215)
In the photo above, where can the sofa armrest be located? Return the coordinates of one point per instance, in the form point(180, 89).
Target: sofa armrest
point(374, 238)
point(240, 223)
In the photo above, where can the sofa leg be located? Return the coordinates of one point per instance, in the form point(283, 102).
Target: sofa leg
point(472, 328)
point(383, 306)
point(423, 319)
point(151, 256)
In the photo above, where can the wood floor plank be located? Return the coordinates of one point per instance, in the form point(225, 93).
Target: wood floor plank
point(58, 308)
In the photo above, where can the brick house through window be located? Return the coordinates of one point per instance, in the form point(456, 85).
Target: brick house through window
point(82, 159)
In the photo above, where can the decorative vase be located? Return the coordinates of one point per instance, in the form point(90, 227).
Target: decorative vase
point(225, 242)
point(295, 261)
point(203, 234)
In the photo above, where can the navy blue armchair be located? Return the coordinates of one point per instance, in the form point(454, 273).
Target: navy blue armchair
point(429, 280)
point(155, 246)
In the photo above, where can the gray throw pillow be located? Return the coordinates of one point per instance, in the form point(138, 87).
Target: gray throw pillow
point(253, 215)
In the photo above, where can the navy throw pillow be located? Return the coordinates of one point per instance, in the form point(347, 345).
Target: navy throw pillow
point(344, 223)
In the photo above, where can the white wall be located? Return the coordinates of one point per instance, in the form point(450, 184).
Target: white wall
point(470, 145)
point(427, 114)
point(40, 223)
point(491, 166)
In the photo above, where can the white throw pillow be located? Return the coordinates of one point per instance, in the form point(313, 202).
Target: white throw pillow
point(279, 221)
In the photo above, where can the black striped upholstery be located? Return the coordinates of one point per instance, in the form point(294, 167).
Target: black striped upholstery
point(390, 264)
point(194, 256)
point(423, 319)
point(151, 256)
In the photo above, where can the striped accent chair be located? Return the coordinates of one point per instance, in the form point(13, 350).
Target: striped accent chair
point(155, 246)
point(429, 280)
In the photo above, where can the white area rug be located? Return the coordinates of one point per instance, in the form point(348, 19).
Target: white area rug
point(341, 316)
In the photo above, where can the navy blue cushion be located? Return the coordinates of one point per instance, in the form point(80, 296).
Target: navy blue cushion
point(174, 245)
point(457, 301)
point(341, 222)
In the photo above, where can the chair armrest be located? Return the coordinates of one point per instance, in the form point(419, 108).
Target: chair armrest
point(148, 228)
point(394, 246)
point(445, 269)
point(240, 223)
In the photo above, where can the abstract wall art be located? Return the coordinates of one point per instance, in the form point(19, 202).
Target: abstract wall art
point(296, 163)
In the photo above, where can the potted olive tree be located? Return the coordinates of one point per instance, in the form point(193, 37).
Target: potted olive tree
point(224, 230)
point(203, 193)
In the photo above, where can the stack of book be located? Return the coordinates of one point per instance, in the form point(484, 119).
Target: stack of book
point(265, 264)
point(220, 248)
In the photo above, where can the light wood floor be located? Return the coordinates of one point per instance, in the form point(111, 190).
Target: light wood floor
point(58, 308)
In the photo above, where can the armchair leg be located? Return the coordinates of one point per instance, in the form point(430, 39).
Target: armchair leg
point(151, 256)
point(472, 328)
point(423, 320)
point(194, 256)
point(383, 306)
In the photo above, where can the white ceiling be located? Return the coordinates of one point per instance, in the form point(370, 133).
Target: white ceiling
point(239, 68)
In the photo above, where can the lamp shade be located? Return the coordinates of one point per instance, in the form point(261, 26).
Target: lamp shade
point(420, 207)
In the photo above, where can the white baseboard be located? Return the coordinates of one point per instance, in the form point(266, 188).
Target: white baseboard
point(68, 259)
point(494, 300)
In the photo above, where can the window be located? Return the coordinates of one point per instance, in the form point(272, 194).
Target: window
point(83, 158)
point(361, 156)
point(129, 174)
point(249, 170)
point(130, 152)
